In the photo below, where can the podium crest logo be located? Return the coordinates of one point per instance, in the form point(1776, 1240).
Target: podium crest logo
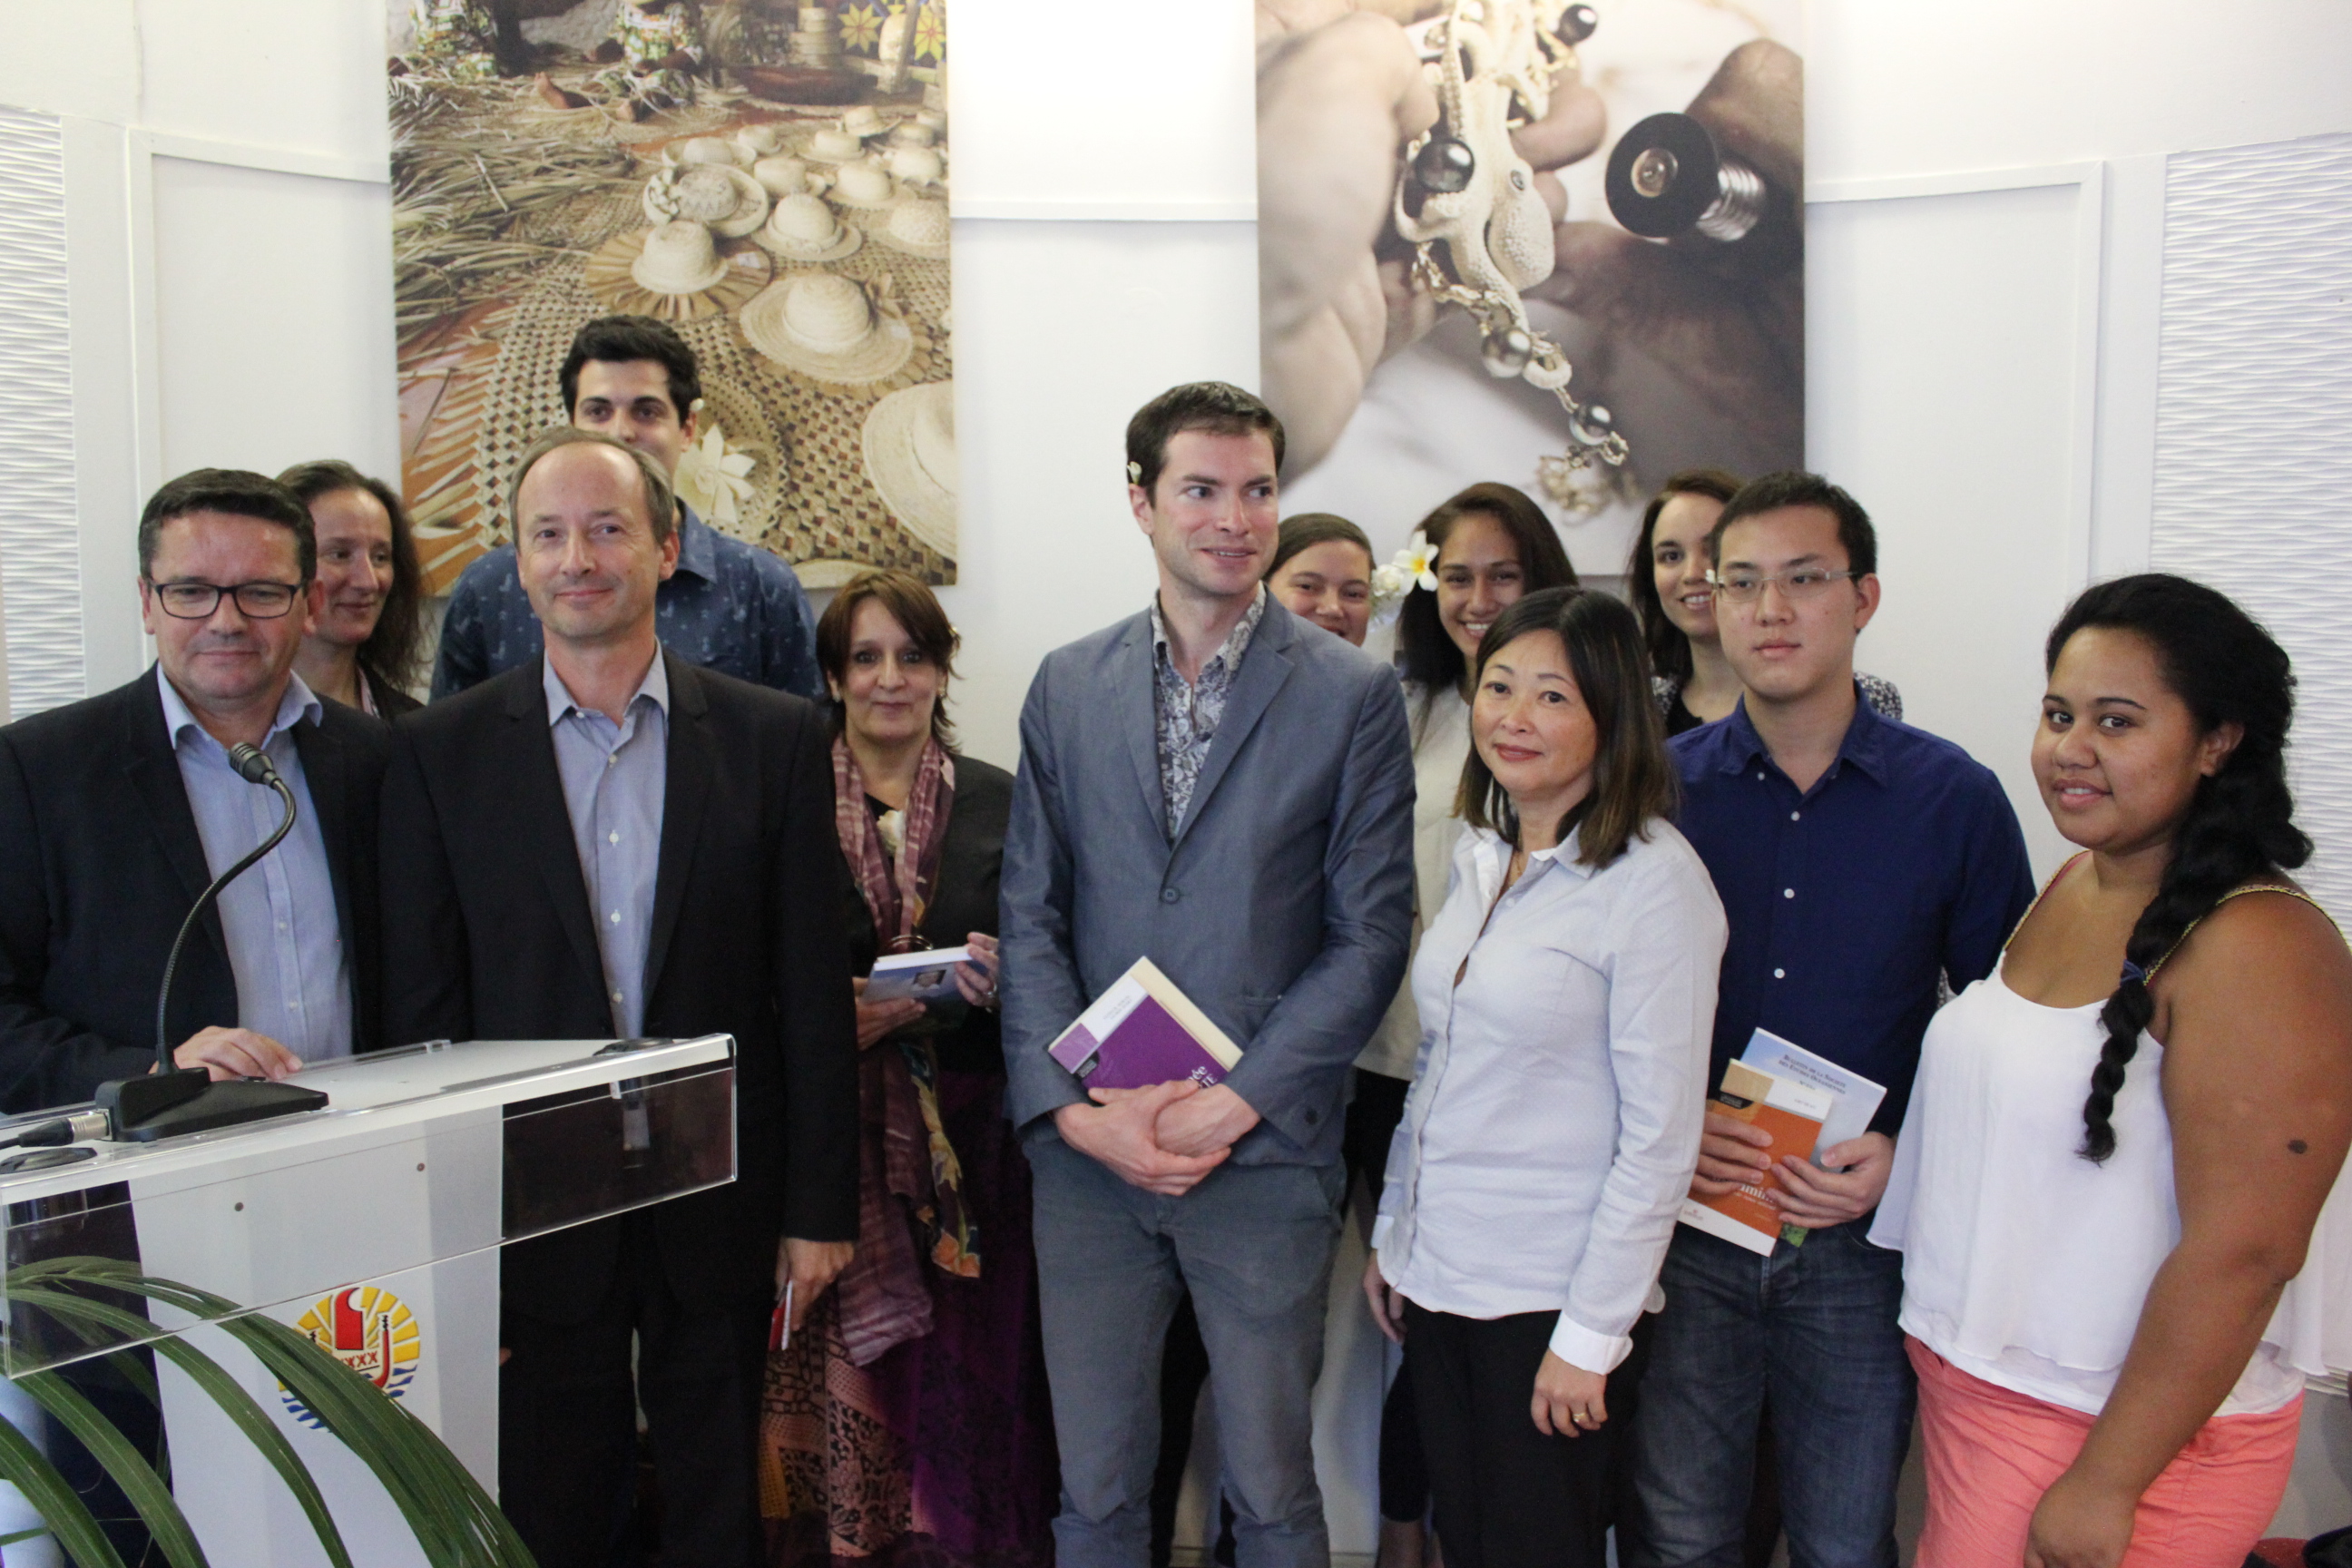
point(369, 1329)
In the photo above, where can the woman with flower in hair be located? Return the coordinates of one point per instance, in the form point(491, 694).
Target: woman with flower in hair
point(908, 1415)
point(2109, 1186)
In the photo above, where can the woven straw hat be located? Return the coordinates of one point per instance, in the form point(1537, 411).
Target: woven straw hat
point(864, 120)
point(917, 165)
point(908, 443)
point(761, 141)
point(680, 257)
point(703, 150)
point(802, 229)
point(721, 195)
point(831, 145)
point(824, 325)
point(917, 226)
point(781, 176)
point(913, 134)
point(864, 184)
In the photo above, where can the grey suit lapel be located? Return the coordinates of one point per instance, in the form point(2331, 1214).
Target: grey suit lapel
point(1137, 707)
point(1264, 669)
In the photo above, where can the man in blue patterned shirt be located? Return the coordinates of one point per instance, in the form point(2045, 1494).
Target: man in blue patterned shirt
point(729, 607)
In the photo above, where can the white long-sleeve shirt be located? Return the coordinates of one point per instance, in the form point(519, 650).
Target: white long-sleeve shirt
point(1556, 1103)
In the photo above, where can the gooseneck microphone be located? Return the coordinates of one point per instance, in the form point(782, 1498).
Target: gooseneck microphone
point(173, 1100)
point(253, 767)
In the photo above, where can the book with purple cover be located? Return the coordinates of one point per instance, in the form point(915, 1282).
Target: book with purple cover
point(1144, 1031)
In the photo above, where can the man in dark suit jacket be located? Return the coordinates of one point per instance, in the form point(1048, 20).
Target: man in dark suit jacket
point(117, 810)
point(1217, 787)
point(609, 841)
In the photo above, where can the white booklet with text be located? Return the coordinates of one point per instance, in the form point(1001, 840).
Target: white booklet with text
point(1854, 1098)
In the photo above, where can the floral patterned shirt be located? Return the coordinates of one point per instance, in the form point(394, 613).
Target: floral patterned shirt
point(1187, 713)
point(730, 606)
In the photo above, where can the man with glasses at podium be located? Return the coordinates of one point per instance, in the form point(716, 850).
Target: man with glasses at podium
point(117, 810)
point(609, 841)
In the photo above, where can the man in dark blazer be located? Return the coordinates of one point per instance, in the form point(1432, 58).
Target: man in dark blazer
point(1227, 790)
point(116, 811)
point(608, 841)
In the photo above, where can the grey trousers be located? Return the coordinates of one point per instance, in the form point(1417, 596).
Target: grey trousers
point(1254, 1246)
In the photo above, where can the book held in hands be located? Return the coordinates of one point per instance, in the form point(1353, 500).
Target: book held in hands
point(928, 977)
point(1143, 1031)
point(1792, 1112)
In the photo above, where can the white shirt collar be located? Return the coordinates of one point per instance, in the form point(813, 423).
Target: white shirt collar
point(297, 704)
point(559, 701)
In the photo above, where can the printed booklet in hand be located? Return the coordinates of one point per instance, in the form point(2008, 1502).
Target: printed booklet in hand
point(1792, 1113)
point(1143, 1031)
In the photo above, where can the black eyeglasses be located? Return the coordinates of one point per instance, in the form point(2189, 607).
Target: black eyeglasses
point(197, 601)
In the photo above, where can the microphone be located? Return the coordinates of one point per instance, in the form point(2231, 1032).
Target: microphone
point(173, 1100)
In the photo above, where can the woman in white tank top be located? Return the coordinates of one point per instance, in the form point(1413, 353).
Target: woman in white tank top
point(2110, 1195)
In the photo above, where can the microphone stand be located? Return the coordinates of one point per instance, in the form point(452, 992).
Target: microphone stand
point(171, 1100)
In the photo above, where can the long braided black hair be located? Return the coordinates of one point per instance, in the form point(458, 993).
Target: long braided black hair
point(2240, 821)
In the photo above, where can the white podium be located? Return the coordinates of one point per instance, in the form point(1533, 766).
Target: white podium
point(373, 1226)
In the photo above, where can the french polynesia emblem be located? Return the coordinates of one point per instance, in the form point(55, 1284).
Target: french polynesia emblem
point(369, 1329)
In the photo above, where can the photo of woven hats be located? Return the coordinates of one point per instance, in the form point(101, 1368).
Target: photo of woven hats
point(769, 177)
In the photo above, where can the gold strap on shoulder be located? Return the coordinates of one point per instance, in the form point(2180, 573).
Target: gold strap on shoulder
point(2291, 890)
point(2056, 878)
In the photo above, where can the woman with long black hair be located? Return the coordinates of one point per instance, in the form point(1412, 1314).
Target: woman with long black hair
point(2109, 1187)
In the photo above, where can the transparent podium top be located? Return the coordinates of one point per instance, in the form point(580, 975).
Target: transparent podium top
point(420, 1154)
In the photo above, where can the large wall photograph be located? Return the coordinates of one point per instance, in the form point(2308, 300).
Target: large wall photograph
point(769, 178)
point(1557, 246)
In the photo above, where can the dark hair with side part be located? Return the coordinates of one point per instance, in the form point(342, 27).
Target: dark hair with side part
point(237, 492)
point(1793, 487)
point(1426, 655)
point(2240, 827)
point(1670, 654)
point(1216, 406)
point(1309, 529)
point(661, 501)
point(391, 653)
point(1633, 779)
point(919, 615)
point(617, 340)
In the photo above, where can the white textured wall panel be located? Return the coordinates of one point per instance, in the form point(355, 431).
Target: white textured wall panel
point(2253, 475)
point(40, 557)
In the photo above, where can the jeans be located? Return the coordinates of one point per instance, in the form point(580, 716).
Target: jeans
point(1252, 1244)
point(1814, 1326)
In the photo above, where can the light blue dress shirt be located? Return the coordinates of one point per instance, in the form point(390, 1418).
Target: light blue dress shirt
point(1554, 1119)
point(285, 941)
point(615, 785)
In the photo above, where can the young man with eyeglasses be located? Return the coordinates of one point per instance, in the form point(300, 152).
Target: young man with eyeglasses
point(116, 811)
point(1859, 860)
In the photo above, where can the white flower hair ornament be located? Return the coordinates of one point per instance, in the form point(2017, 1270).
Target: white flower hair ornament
point(1414, 566)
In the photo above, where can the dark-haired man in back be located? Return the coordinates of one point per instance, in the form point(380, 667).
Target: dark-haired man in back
point(730, 607)
point(116, 811)
point(1217, 787)
point(1858, 859)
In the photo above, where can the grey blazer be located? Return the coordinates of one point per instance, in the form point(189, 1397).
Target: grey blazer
point(1283, 904)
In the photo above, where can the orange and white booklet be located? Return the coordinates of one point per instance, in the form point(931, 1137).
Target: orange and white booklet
point(1792, 1113)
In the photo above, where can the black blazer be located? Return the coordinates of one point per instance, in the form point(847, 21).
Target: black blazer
point(489, 937)
point(99, 862)
point(965, 901)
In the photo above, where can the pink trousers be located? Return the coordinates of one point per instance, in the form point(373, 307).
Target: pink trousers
point(1991, 1453)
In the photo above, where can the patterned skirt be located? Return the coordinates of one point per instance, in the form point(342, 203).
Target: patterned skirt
point(940, 1452)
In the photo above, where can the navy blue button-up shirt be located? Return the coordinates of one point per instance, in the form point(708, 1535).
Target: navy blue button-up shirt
point(1846, 901)
point(730, 607)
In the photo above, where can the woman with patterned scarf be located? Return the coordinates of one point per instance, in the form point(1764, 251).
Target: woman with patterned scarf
point(908, 1421)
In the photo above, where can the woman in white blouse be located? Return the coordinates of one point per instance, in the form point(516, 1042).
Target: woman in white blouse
point(1566, 993)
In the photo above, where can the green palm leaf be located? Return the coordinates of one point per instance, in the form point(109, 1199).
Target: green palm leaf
point(129, 1469)
point(456, 1522)
point(69, 1519)
point(226, 1392)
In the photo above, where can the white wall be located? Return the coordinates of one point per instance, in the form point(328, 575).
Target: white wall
point(1984, 342)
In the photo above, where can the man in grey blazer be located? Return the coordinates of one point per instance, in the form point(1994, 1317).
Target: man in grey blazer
point(1227, 790)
